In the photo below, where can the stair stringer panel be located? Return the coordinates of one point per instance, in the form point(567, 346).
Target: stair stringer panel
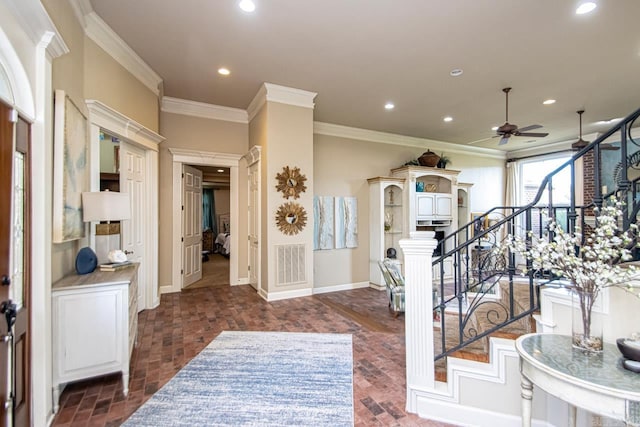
point(484, 394)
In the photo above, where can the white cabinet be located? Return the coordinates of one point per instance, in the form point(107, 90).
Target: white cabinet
point(433, 206)
point(95, 320)
point(386, 222)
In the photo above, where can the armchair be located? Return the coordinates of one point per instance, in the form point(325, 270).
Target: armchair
point(394, 285)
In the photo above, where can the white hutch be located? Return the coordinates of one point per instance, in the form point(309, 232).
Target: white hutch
point(424, 199)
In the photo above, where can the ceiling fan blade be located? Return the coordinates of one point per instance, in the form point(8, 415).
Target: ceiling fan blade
point(534, 134)
point(478, 140)
point(504, 140)
point(530, 127)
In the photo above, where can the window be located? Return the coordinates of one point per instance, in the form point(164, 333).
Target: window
point(532, 174)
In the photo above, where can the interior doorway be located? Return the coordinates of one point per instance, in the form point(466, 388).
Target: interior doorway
point(213, 221)
point(205, 161)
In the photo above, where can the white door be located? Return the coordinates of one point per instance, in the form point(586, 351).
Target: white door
point(132, 181)
point(191, 225)
point(254, 224)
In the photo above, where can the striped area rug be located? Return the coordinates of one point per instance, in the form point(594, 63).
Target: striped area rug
point(259, 379)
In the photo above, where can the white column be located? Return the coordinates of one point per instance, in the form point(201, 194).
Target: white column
point(418, 251)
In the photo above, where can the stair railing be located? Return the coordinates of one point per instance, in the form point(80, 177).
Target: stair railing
point(480, 294)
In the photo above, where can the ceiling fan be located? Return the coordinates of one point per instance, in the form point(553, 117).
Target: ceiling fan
point(507, 129)
point(581, 143)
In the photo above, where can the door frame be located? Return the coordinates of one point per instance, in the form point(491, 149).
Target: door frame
point(31, 93)
point(103, 117)
point(202, 158)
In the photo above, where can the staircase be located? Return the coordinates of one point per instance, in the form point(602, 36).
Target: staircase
point(489, 302)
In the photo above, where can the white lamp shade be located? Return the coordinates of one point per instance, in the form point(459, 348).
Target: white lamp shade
point(105, 206)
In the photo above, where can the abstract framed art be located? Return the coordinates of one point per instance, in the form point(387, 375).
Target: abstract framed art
point(70, 169)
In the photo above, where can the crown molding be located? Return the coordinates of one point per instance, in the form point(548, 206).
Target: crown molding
point(257, 102)
point(206, 111)
point(121, 125)
point(282, 94)
point(36, 23)
point(290, 96)
point(329, 129)
point(98, 31)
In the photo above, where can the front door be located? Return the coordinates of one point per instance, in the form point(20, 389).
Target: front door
point(191, 225)
point(14, 269)
point(132, 181)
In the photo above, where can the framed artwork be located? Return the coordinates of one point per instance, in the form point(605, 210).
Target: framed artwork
point(323, 225)
point(480, 222)
point(346, 215)
point(70, 168)
point(224, 223)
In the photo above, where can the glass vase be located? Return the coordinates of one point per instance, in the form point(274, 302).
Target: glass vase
point(586, 328)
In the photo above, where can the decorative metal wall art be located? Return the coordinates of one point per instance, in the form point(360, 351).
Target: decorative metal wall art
point(291, 182)
point(291, 218)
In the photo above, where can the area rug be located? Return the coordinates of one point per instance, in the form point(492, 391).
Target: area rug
point(259, 379)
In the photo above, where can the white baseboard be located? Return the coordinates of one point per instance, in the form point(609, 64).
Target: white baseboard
point(337, 288)
point(468, 416)
point(297, 293)
point(166, 289)
point(442, 403)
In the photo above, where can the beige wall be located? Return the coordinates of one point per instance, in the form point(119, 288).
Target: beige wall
point(290, 135)
point(87, 72)
point(222, 199)
point(68, 75)
point(341, 168)
point(109, 82)
point(199, 134)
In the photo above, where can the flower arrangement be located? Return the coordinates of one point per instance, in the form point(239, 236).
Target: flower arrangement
point(589, 265)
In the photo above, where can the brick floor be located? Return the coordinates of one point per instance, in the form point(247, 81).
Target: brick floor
point(184, 323)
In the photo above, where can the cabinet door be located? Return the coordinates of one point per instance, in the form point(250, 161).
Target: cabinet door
point(443, 205)
point(90, 333)
point(425, 208)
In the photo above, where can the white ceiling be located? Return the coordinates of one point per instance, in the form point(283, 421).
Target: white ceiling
point(358, 54)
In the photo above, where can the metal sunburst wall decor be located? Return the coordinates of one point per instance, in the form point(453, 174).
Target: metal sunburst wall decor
point(291, 218)
point(291, 182)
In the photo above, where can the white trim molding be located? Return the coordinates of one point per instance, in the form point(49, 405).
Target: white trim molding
point(329, 129)
point(104, 117)
point(194, 157)
point(337, 288)
point(203, 110)
point(124, 127)
point(282, 94)
point(34, 20)
point(102, 34)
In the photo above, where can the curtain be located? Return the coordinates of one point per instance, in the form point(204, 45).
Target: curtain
point(512, 188)
point(208, 211)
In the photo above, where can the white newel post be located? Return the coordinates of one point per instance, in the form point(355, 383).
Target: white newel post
point(418, 252)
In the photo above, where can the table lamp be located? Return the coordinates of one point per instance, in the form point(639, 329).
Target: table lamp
point(106, 206)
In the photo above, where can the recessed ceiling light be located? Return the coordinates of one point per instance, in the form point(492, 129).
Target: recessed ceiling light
point(585, 7)
point(220, 170)
point(224, 71)
point(494, 128)
point(448, 119)
point(456, 72)
point(389, 106)
point(247, 5)
point(549, 102)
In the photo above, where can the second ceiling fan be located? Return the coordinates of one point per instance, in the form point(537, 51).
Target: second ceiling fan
point(507, 129)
